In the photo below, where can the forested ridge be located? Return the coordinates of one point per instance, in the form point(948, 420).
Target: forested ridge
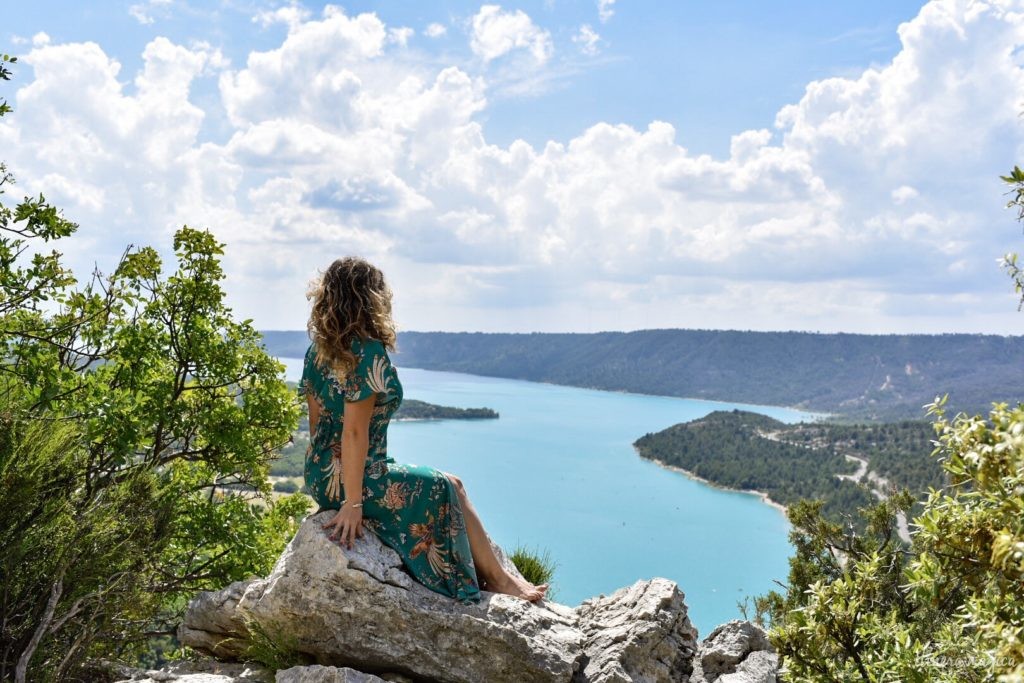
point(791, 462)
point(856, 376)
point(411, 409)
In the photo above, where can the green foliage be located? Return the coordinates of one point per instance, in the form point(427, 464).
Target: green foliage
point(973, 531)
point(950, 608)
point(141, 418)
point(536, 567)
point(286, 486)
point(275, 650)
point(72, 555)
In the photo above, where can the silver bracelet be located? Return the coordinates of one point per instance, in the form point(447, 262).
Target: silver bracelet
point(352, 505)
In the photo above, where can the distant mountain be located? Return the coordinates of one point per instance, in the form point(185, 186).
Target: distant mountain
point(855, 375)
point(286, 343)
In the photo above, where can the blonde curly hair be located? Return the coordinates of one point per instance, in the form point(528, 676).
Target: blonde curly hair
point(350, 299)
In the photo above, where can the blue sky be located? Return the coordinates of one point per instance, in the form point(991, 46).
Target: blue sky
point(709, 68)
point(548, 165)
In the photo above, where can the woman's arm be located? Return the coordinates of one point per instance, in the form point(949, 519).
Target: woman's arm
point(355, 443)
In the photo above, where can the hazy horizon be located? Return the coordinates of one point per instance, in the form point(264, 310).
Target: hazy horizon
point(686, 329)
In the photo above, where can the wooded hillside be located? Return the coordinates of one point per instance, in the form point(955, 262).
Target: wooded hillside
point(872, 377)
point(791, 462)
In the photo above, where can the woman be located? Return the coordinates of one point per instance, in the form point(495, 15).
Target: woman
point(353, 390)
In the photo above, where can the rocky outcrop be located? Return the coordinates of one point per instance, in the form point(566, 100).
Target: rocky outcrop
point(211, 671)
point(638, 633)
point(736, 652)
point(358, 608)
point(326, 674)
point(361, 609)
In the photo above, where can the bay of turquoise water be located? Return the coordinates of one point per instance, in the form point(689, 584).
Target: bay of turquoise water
point(557, 472)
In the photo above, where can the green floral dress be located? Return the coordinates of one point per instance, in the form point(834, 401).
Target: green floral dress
point(412, 508)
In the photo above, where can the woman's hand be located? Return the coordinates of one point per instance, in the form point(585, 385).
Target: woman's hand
point(348, 525)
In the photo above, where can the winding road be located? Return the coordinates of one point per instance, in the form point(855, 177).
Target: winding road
point(877, 485)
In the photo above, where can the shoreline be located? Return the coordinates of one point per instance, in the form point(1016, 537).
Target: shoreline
point(765, 498)
point(440, 419)
point(818, 416)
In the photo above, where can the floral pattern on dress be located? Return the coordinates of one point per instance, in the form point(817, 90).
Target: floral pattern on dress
point(411, 508)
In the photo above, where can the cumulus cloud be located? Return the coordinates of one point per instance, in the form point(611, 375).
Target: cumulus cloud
point(868, 204)
point(400, 35)
point(145, 12)
point(605, 10)
point(587, 38)
point(496, 32)
point(435, 30)
point(290, 15)
point(903, 194)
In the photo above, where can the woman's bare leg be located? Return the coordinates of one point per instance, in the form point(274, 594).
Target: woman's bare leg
point(488, 568)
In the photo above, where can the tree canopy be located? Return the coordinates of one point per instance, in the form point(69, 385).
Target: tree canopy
point(138, 418)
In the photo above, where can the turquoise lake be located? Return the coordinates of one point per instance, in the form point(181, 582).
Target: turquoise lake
point(558, 472)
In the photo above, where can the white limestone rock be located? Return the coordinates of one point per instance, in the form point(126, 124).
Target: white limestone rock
point(358, 608)
point(360, 611)
point(325, 674)
point(638, 633)
point(736, 652)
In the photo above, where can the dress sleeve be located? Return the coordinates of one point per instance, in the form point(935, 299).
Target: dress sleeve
point(310, 373)
point(372, 375)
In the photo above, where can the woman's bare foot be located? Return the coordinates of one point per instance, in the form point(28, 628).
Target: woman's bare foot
point(520, 588)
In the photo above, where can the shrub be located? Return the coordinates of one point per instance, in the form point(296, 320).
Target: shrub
point(950, 607)
point(273, 650)
point(286, 486)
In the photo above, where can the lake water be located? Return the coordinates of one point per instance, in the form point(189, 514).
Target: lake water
point(558, 472)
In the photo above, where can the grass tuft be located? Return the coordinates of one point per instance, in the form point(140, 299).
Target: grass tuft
point(274, 651)
point(536, 567)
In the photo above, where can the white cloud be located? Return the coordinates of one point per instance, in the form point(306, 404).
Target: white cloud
point(869, 206)
point(903, 194)
point(139, 13)
point(435, 30)
point(310, 75)
point(496, 33)
point(605, 10)
point(587, 38)
point(401, 35)
point(144, 12)
point(289, 15)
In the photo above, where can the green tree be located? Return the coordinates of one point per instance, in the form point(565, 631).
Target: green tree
point(948, 608)
point(160, 413)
